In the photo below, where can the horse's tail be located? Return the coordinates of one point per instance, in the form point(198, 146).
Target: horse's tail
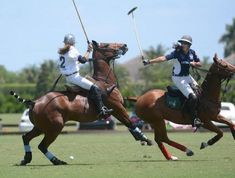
point(131, 98)
point(28, 103)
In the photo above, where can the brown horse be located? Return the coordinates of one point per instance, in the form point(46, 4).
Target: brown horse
point(151, 108)
point(50, 112)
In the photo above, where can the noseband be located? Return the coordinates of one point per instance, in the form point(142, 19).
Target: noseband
point(116, 53)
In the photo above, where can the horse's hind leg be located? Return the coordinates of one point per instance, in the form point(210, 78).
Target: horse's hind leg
point(26, 139)
point(180, 147)
point(45, 143)
point(161, 136)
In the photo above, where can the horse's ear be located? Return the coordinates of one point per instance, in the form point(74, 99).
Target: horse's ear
point(215, 58)
point(95, 44)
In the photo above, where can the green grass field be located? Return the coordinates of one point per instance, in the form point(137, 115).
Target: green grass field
point(10, 118)
point(116, 154)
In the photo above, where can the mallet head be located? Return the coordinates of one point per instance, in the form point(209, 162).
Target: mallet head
point(132, 10)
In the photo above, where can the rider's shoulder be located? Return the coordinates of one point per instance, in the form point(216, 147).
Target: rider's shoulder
point(73, 48)
point(192, 51)
point(73, 51)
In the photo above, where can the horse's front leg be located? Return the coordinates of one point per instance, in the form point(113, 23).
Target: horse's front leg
point(121, 114)
point(210, 126)
point(223, 120)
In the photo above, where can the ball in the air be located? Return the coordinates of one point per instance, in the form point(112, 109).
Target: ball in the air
point(71, 157)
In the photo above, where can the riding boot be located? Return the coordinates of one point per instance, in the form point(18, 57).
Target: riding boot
point(95, 96)
point(196, 122)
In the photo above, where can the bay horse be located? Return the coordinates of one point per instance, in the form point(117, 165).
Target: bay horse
point(50, 112)
point(151, 107)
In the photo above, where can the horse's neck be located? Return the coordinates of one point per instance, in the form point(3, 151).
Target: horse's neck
point(211, 88)
point(103, 72)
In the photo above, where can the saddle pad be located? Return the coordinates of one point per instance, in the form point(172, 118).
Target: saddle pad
point(174, 102)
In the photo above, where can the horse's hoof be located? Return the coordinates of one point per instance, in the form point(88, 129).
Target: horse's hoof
point(189, 152)
point(143, 143)
point(56, 161)
point(173, 158)
point(149, 142)
point(63, 163)
point(146, 142)
point(23, 163)
point(203, 145)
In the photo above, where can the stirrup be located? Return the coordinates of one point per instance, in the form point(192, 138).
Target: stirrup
point(105, 112)
point(197, 123)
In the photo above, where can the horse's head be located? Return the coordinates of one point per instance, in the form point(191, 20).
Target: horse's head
point(222, 68)
point(108, 51)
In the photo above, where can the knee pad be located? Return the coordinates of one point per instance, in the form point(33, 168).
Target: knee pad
point(94, 91)
point(192, 96)
point(192, 100)
point(95, 88)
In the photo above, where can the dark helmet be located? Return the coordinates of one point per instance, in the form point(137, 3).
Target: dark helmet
point(187, 39)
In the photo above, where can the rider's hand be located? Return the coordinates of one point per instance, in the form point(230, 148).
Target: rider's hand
point(146, 62)
point(195, 64)
point(192, 64)
point(89, 48)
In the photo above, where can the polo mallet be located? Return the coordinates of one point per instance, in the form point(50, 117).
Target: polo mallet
point(83, 28)
point(80, 20)
point(136, 31)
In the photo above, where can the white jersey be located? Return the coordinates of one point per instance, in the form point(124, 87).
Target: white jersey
point(68, 62)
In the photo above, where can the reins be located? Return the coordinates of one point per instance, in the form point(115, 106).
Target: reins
point(226, 79)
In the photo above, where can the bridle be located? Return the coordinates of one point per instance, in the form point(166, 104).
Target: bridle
point(225, 79)
point(117, 54)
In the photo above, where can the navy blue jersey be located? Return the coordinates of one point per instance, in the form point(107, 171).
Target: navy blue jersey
point(182, 63)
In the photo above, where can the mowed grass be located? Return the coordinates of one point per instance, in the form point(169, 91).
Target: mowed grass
point(13, 118)
point(116, 154)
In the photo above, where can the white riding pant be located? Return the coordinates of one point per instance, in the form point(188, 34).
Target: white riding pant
point(82, 82)
point(183, 84)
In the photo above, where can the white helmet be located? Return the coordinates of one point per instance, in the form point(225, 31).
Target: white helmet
point(69, 39)
point(186, 38)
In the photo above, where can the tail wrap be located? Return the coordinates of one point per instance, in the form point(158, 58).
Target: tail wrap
point(28, 103)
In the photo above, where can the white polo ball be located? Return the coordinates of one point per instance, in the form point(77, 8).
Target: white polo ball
point(71, 157)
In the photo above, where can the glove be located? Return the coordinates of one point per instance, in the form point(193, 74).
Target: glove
point(89, 48)
point(146, 62)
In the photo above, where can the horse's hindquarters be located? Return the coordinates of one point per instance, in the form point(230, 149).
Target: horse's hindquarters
point(147, 105)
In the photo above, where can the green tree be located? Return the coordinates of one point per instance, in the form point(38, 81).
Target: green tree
point(47, 75)
point(29, 74)
point(229, 39)
point(6, 76)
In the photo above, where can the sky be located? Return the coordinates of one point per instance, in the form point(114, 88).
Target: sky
point(33, 30)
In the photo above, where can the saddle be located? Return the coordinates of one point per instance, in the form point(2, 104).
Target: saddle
point(176, 100)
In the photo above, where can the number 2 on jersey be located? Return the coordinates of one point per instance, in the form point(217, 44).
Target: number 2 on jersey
point(62, 60)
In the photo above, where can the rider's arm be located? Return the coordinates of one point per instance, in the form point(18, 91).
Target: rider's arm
point(158, 59)
point(196, 61)
point(85, 57)
point(167, 57)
